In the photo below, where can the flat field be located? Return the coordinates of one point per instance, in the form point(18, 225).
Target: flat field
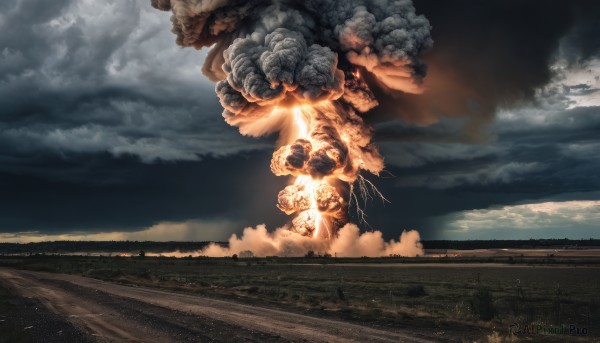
point(458, 299)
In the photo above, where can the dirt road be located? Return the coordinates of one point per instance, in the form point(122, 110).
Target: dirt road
point(112, 312)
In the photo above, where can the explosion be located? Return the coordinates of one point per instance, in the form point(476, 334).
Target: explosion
point(325, 152)
point(305, 69)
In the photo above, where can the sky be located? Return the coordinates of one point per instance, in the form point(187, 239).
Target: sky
point(109, 130)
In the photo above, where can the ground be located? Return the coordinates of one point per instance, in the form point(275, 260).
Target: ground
point(441, 300)
point(25, 319)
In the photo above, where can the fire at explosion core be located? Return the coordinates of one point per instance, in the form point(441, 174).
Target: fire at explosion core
point(306, 69)
point(325, 153)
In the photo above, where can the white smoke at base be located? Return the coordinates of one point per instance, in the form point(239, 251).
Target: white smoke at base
point(349, 242)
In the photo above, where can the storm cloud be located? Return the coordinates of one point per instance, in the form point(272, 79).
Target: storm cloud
point(491, 55)
point(106, 125)
point(82, 77)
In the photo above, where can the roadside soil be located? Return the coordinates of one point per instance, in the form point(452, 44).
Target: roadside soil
point(109, 312)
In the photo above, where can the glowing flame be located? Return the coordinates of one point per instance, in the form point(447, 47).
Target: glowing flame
point(356, 74)
point(310, 218)
point(300, 122)
point(309, 185)
point(325, 161)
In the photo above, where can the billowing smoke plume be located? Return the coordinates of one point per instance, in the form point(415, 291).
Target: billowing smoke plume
point(295, 67)
point(347, 243)
point(267, 50)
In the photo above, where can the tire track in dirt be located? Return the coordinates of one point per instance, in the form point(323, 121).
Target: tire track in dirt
point(100, 306)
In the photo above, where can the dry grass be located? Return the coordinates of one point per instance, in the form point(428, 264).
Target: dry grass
point(484, 298)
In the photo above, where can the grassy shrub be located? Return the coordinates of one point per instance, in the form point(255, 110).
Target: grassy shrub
point(462, 310)
point(483, 304)
point(415, 291)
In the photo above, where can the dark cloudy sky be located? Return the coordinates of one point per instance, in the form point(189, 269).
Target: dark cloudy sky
point(108, 130)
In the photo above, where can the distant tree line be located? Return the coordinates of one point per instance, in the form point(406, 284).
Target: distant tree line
point(515, 244)
point(101, 246)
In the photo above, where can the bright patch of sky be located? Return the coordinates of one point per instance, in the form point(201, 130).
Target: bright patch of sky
point(538, 220)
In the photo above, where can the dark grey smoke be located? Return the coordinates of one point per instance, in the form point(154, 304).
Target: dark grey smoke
point(268, 53)
point(330, 156)
point(488, 55)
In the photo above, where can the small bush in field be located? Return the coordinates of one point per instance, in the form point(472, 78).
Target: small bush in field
point(416, 291)
point(483, 304)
